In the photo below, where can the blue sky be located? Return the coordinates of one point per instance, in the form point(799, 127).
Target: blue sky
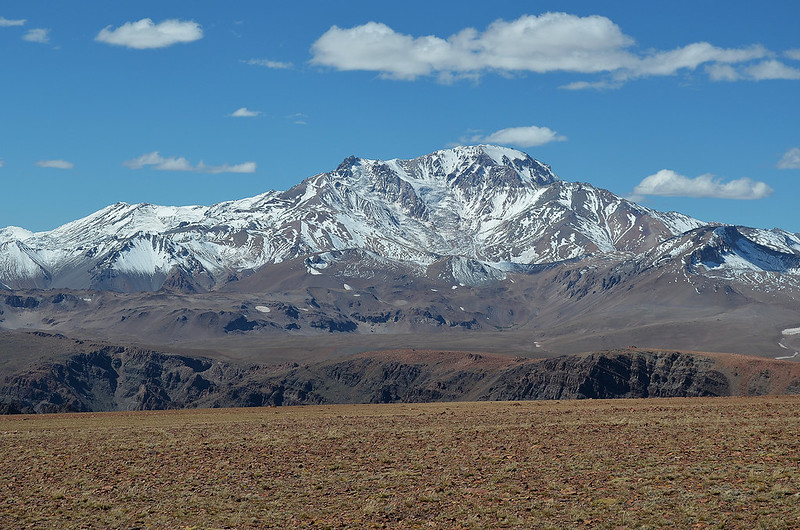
point(688, 106)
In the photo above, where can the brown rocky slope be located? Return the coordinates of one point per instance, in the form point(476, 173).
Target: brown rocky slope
point(102, 377)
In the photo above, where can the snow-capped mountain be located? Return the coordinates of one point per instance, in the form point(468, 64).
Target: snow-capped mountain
point(735, 253)
point(491, 206)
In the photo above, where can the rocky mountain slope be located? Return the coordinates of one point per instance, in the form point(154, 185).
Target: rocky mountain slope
point(105, 378)
point(480, 206)
point(485, 203)
point(475, 248)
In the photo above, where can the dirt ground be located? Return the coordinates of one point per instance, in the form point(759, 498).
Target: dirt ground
point(680, 463)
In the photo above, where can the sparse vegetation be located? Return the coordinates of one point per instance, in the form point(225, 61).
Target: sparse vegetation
point(682, 463)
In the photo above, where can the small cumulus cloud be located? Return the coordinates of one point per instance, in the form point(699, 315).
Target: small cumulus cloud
point(55, 164)
point(791, 159)
point(668, 183)
point(244, 112)
point(40, 35)
point(145, 34)
point(278, 65)
point(6, 23)
point(772, 70)
point(520, 136)
point(179, 163)
point(551, 42)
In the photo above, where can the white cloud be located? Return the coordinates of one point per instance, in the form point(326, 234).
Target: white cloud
point(793, 54)
point(550, 42)
point(179, 163)
point(691, 56)
point(769, 69)
point(144, 34)
point(5, 23)
point(1, 162)
point(298, 118)
point(520, 136)
point(57, 164)
point(39, 35)
point(244, 167)
point(791, 159)
point(269, 64)
point(723, 72)
point(772, 70)
point(668, 183)
point(244, 112)
point(596, 85)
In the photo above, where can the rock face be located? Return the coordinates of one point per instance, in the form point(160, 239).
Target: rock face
point(629, 374)
point(114, 378)
point(107, 378)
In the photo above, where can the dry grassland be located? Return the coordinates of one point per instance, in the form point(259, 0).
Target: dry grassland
point(681, 463)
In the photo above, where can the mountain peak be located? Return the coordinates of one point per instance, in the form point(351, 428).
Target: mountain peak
point(463, 166)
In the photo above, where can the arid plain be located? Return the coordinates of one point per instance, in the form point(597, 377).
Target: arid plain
point(632, 463)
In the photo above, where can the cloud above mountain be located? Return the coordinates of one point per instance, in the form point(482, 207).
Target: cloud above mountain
point(179, 163)
point(244, 112)
point(520, 136)
point(668, 183)
point(552, 42)
point(145, 34)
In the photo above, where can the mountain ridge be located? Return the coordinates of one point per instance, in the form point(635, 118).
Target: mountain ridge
point(487, 203)
point(475, 247)
point(106, 377)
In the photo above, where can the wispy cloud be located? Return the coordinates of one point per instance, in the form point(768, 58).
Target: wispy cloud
point(144, 34)
point(793, 54)
point(764, 70)
point(1, 162)
point(56, 164)
point(298, 118)
point(791, 159)
point(40, 35)
point(279, 65)
point(5, 23)
point(552, 42)
point(179, 163)
point(244, 112)
point(520, 136)
point(668, 183)
point(594, 85)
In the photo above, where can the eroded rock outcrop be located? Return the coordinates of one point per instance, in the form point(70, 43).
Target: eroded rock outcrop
point(107, 378)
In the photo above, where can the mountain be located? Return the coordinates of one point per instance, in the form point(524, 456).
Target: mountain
point(478, 248)
point(491, 204)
